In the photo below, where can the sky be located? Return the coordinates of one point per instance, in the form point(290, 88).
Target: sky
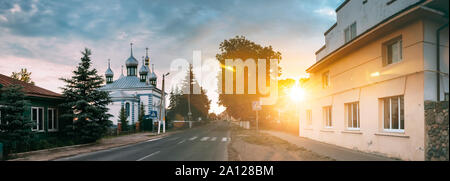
point(46, 37)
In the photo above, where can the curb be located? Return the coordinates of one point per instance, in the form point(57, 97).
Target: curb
point(25, 154)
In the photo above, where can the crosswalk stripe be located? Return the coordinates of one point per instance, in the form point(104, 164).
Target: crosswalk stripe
point(204, 138)
point(193, 138)
point(213, 138)
point(224, 139)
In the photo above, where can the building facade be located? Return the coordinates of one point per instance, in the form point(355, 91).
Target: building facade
point(42, 108)
point(132, 90)
point(369, 87)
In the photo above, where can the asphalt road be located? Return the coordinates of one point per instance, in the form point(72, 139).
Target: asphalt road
point(204, 143)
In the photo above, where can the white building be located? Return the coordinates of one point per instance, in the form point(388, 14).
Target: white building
point(371, 85)
point(131, 91)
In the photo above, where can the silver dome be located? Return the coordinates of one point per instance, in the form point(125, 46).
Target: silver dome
point(109, 72)
point(131, 62)
point(153, 76)
point(144, 70)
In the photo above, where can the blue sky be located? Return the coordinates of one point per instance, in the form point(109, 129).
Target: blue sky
point(46, 37)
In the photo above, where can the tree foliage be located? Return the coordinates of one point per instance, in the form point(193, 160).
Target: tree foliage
point(123, 119)
point(15, 128)
point(179, 100)
point(23, 75)
point(85, 106)
point(240, 105)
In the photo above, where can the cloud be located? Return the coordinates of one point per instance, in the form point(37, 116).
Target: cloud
point(326, 11)
point(3, 18)
point(16, 8)
point(56, 31)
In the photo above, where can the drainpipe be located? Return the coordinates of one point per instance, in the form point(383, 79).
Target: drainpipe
point(438, 64)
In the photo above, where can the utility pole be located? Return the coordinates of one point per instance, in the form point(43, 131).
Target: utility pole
point(189, 96)
point(163, 103)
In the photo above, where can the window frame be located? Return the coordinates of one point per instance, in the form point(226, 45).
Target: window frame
point(390, 129)
point(37, 119)
point(309, 117)
point(54, 119)
point(328, 116)
point(348, 117)
point(349, 34)
point(386, 49)
point(326, 79)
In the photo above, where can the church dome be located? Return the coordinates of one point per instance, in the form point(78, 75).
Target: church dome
point(144, 69)
point(153, 76)
point(131, 62)
point(109, 72)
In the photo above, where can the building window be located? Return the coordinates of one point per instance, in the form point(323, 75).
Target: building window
point(352, 115)
point(327, 116)
point(393, 114)
point(1, 120)
point(37, 117)
point(143, 78)
point(52, 119)
point(393, 51)
point(326, 79)
point(350, 32)
point(446, 96)
point(309, 117)
point(127, 109)
point(131, 71)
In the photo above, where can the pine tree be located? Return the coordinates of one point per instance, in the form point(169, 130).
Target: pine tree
point(15, 129)
point(141, 113)
point(179, 101)
point(123, 119)
point(85, 105)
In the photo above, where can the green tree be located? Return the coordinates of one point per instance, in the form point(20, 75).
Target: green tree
point(85, 106)
point(23, 75)
point(15, 129)
point(240, 105)
point(179, 100)
point(141, 113)
point(123, 119)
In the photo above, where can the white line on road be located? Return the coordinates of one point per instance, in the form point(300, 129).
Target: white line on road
point(224, 139)
point(213, 138)
point(193, 138)
point(181, 142)
point(204, 138)
point(153, 139)
point(140, 159)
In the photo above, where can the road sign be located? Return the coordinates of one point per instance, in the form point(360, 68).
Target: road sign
point(153, 114)
point(256, 106)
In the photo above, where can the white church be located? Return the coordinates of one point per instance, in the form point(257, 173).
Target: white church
point(131, 91)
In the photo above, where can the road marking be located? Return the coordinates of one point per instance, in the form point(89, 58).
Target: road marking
point(213, 139)
point(147, 156)
point(224, 139)
point(204, 138)
point(153, 139)
point(193, 138)
point(181, 142)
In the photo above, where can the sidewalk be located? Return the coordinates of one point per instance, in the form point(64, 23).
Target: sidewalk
point(336, 152)
point(103, 144)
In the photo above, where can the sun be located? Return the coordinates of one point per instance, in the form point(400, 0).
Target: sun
point(296, 94)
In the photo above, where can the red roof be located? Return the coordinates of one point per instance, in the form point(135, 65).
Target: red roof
point(29, 89)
